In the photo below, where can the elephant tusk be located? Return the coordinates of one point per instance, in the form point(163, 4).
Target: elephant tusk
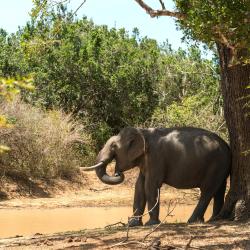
point(98, 165)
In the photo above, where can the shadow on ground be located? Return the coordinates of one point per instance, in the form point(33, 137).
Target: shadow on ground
point(168, 236)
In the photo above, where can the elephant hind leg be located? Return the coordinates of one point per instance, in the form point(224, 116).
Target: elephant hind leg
point(199, 211)
point(219, 200)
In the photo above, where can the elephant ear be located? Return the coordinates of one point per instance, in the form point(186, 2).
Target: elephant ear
point(135, 143)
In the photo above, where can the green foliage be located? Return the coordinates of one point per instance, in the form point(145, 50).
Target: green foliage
point(185, 73)
point(188, 92)
point(109, 79)
point(8, 89)
point(12, 61)
point(227, 22)
point(195, 111)
point(91, 71)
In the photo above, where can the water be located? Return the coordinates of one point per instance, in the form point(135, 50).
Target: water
point(25, 222)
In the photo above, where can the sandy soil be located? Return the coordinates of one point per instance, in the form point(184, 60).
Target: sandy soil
point(91, 192)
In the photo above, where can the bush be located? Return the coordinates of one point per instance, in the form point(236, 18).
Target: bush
point(189, 92)
point(110, 79)
point(42, 144)
point(92, 71)
point(195, 111)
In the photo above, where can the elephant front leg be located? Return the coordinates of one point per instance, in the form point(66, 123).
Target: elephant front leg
point(153, 199)
point(139, 202)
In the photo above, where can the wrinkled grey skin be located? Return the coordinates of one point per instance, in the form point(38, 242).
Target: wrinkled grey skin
point(180, 157)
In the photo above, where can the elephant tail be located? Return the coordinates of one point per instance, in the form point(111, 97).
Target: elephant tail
point(230, 164)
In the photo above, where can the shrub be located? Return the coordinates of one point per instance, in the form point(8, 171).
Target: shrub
point(42, 144)
point(195, 111)
point(91, 70)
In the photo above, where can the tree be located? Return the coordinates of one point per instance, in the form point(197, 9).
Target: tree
point(100, 74)
point(78, 66)
point(225, 24)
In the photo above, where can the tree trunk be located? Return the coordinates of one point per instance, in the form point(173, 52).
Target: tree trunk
point(235, 79)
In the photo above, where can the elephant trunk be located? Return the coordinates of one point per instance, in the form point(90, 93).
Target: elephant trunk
point(105, 178)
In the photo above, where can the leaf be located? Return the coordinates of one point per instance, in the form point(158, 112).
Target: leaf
point(4, 149)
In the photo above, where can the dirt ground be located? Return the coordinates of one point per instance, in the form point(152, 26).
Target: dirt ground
point(92, 193)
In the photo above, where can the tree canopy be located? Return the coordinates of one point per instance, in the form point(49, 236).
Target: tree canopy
point(107, 76)
point(220, 21)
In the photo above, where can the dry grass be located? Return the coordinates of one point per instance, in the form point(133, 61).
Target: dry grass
point(43, 144)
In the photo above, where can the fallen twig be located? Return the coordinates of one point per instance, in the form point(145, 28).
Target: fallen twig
point(98, 190)
point(127, 232)
point(124, 243)
point(115, 224)
point(189, 243)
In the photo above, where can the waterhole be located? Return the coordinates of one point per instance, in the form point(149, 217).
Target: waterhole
point(31, 221)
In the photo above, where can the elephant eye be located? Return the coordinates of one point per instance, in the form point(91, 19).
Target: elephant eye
point(131, 142)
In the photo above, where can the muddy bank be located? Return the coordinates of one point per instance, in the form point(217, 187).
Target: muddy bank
point(73, 209)
point(92, 206)
point(169, 236)
point(87, 192)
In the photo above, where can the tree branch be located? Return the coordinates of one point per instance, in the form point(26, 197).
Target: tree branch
point(222, 38)
point(167, 215)
point(162, 4)
point(79, 7)
point(162, 12)
point(149, 211)
point(142, 242)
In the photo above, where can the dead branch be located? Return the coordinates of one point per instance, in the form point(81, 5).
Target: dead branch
point(55, 3)
point(140, 216)
point(127, 232)
point(162, 12)
point(115, 224)
point(167, 215)
point(189, 243)
point(218, 129)
point(142, 242)
point(156, 244)
point(162, 4)
point(123, 243)
point(80, 6)
point(98, 190)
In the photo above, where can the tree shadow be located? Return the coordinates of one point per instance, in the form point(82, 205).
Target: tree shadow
point(220, 235)
point(213, 236)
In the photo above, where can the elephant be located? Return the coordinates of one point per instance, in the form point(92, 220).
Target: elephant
point(182, 157)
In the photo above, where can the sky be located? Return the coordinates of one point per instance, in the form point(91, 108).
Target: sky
point(114, 13)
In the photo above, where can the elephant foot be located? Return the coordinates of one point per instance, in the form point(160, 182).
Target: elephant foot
point(195, 220)
point(213, 219)
point(220, 217)
point(135, 222)
point(151, 222)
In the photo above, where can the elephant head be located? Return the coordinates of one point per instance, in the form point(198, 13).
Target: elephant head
point(125, 148)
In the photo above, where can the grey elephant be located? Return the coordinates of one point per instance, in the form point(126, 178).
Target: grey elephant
point(183, 158)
